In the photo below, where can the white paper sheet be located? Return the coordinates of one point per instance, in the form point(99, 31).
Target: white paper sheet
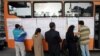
point(73, 21)
point(43, 23)
point(61, 25)
point(29, 26)
point(11, 25)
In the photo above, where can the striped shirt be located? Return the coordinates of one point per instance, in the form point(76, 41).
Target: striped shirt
point(84, 35)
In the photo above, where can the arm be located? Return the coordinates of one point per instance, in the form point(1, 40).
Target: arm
point(23, 36)
point(23, 32)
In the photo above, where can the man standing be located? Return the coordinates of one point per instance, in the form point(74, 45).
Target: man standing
point(53, 39)
point(84, 32)
point(19, 37)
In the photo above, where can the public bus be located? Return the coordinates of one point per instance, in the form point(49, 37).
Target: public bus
point(39, 13)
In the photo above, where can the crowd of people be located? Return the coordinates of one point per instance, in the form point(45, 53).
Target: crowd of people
point(76, 44)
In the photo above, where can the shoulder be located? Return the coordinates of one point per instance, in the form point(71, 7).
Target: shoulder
point(15, 30)
point(84, 30)
point(47, 32)
point(84, 27)
point(33, 36)
point(41, 36)
point(57, 32)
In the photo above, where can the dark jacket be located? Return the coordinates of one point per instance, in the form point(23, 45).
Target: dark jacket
point(70, 38)
point(52, 37)
point(71, 44)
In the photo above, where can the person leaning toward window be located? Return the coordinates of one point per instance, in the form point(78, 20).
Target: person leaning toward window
point(37, 40)
point(19, 38)
point(84, 33)
point(71, 40)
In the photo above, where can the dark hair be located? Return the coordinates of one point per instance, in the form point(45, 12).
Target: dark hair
point(71, 28)
point(51, 25)
point(17, 26)
point(81, 23)
point(70, 32)
point(38, 30)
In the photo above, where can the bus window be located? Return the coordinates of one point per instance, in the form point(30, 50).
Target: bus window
point(20, 9)
point(42, 9)
point(82, 9)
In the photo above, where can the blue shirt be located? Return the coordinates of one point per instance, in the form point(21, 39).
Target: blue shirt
point(19, 35)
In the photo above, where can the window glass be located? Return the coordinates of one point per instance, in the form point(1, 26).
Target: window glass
point(21, 9)
point(47, 9)
point(78, 9)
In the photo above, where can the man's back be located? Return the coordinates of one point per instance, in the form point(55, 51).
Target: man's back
point(52, 37)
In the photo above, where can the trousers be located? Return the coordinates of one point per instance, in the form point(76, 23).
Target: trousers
point(20, 49)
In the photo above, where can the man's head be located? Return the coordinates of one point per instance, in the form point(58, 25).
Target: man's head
point(52, 25)
point(81, 23)
point(17, 26)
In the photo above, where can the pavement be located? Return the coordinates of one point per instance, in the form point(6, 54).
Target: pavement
point(11, 52)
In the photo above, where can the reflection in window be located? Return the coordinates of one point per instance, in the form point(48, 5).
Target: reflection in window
point(78, 9)
point(21, 9)
point(47, 9)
